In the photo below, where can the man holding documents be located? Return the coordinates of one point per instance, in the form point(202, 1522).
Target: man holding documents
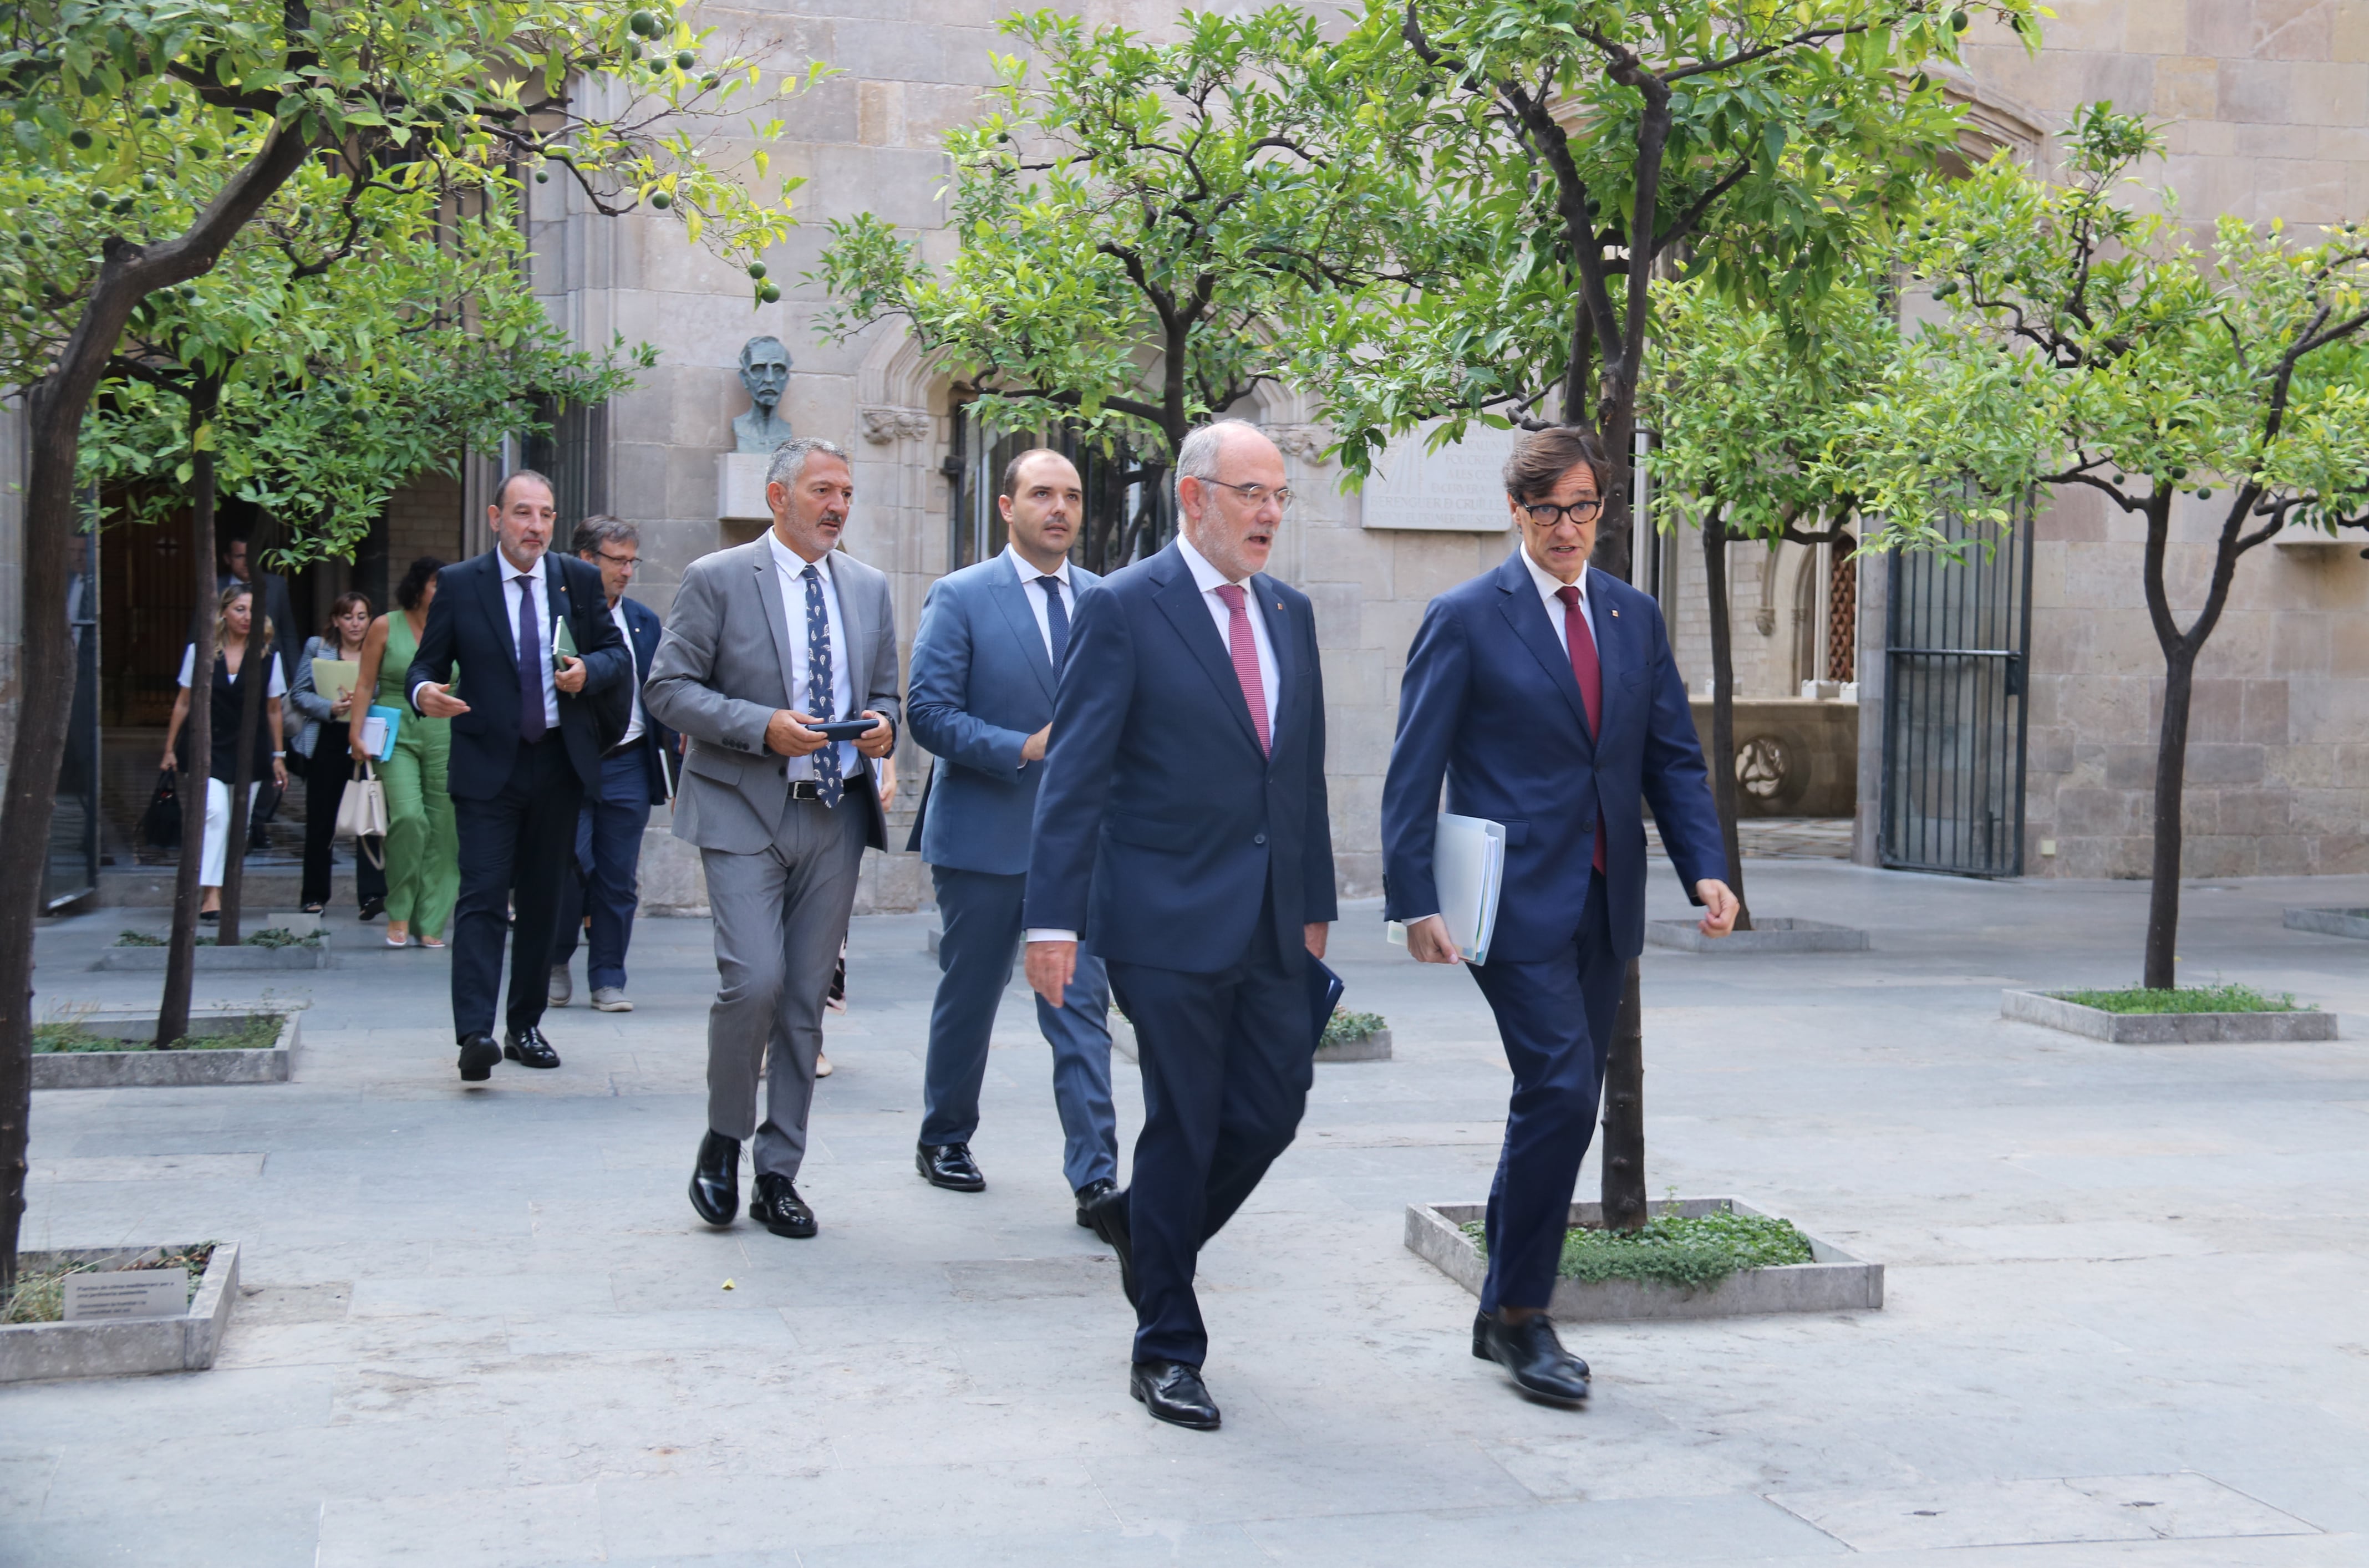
point(1181, 829)
point(1545, 695)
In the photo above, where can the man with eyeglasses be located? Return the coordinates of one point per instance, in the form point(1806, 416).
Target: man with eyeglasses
point(1181, 830)
point(1544, 694)
point(633, 776)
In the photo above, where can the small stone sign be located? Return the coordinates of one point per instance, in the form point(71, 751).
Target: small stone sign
point(1459, 489)
point(128, 1293)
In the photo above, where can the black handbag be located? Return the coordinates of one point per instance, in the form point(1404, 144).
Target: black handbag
point(160, 825)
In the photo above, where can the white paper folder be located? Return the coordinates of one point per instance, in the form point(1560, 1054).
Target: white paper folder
point(1468, 864)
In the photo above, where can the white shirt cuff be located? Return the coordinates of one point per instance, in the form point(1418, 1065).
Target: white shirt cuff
point(1048, 933)
point(415, 694)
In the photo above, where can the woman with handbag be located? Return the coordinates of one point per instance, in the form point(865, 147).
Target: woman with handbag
point(329, 768)
point(423, 850)
point(235, 637)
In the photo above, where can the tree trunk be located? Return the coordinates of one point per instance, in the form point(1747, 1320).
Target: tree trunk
point(46, 681)
point(1622, 1191)
point(1722, 707)
point(2170, 784)
point(181, 948)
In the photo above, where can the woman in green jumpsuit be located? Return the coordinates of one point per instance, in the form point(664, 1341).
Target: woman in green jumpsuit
point(423, 853)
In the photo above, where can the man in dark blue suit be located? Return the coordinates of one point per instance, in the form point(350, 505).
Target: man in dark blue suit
point(527, 738)
point(633, 775)
point(1181, 828)
point(1544, 693)
point(986, 660)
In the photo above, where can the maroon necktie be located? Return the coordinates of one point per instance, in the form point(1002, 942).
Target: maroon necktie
point(1245, 656)
point(1590, 676)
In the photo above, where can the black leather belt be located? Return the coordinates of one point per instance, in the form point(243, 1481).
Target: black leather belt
point(804, 789)
point(622, 747)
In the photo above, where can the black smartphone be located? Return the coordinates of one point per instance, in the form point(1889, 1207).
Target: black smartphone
point(844, 728)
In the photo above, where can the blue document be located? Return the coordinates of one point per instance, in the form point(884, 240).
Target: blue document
point(380, 726)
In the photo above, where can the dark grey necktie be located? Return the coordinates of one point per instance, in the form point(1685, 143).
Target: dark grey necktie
point(1056, 620)
point(828, 782)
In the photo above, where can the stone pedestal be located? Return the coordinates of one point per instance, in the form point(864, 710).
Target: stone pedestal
point(740, 488)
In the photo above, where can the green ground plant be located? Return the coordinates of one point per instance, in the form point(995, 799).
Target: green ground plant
point(1693, 1254)
point(39, 1296)
point(2185, 999)
point(1346, 1029)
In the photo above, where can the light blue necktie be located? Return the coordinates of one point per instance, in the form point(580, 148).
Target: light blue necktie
point(828, 782)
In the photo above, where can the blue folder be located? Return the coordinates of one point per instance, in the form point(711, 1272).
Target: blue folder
point(1324, 989)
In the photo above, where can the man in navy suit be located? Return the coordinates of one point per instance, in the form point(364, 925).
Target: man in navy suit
point(526, 749)
point(1545, 694)
point(633, 775)
point(986, 659)
point(1182, 827)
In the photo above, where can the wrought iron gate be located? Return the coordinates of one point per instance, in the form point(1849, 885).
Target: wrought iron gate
point(1954, 713)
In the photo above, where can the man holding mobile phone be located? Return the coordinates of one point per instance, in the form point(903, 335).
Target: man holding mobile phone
point(779, 663)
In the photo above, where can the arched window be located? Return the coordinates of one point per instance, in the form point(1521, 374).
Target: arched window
point(1130, 510)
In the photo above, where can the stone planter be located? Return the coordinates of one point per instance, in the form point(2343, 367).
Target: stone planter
point(124, 1346)
point(152, 1068)
point(1834, 1282)
point(2166, 1028)
point(1375, 1047)
point(1775, 934)
point(2330, 922)
point(214, 960)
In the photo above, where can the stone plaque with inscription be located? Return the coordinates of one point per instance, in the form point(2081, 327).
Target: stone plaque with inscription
point(1458, 488)
point(131, 1293)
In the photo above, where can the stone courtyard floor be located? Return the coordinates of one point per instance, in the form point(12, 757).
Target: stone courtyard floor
point(2126, 1319)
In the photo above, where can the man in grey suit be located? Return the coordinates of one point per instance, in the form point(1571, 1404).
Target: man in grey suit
point(986, 660)
point(765, 641)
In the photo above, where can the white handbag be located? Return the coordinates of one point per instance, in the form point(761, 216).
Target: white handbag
point(362, 815)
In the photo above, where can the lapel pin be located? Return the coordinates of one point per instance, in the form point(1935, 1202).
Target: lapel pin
point(1616, 614)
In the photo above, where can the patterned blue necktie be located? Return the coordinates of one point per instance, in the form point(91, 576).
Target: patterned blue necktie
point(530, 666)
point(826, 761)
point(1056, 620)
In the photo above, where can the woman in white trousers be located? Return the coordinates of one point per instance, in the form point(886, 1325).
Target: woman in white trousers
point(233, 626)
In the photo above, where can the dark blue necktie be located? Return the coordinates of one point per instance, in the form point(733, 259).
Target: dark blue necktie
point(1056, 620)
point(530, 666)
point(828, 782)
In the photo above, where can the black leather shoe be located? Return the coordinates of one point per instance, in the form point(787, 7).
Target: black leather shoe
point(528, 1047)
point(1092, 1193)
point(1173, 1392)
point(716, 1179)
point(1530, 1351)
point(779, 1209)
point(1108, 1219)
point(949, 1165)
point(478, 1054)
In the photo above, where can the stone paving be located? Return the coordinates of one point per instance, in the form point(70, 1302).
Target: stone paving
point(2127, 1316)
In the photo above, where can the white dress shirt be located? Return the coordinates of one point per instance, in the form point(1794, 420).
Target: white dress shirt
point(633, 730)
point(1549, 586)
point(276, 687)
point(1208, 579)
point(540, 596)
point(1035, 595)
point(792, 567)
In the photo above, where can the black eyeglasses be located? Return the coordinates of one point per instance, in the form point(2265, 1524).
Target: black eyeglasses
point(1546, 514)
point(1258, 494)
point(627, 563)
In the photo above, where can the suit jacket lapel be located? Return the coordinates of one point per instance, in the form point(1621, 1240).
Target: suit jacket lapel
point(1181, 603)
point(1011, 596)
point(1614, 656)
point(770, 595)
point(495, 596)
point(1528, 616)
point(555, 592)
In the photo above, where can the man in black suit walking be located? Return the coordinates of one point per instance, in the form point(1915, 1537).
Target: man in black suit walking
point(526, 750)
point(1181, 830)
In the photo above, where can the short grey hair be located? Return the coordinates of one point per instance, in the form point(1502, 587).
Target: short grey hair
point(1197, 457)
point(600, 529)
point(790, 458)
